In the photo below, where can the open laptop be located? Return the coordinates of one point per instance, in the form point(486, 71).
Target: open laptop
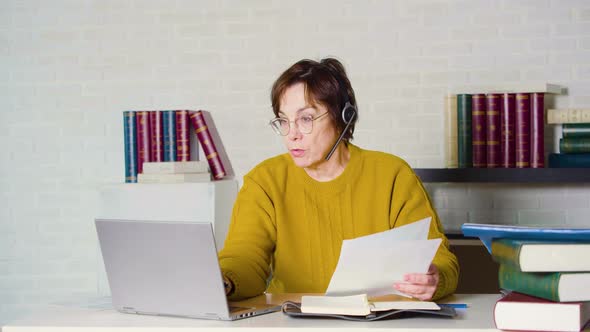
point(166, 268)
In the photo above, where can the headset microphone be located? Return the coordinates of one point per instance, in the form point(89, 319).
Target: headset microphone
point(351, 111)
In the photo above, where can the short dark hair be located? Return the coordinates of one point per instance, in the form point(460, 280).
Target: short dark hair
point(325, 83)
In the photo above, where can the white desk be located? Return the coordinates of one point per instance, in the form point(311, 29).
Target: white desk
point(477, 317)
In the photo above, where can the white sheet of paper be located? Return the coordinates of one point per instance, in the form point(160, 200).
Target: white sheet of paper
point(372, 264)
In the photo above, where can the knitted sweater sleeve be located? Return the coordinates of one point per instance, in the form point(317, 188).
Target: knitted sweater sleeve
point(410, 202)
point(246, 255)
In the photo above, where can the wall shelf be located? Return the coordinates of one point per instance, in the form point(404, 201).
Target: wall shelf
point(504, 175)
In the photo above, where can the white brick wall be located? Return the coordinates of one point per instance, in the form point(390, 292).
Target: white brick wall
point(68, 68)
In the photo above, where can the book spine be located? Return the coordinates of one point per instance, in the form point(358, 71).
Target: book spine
point(537, 130)
point(574, 145)
point(479, 131)
point(451, 148)
point(557, 135)
point(543, 285)
point(129, 138)
point(143, 139)
point(183, 152)
point(464, 143)
point(493, 106)
point(157, 148)
point(211, 153)
point(568, 116)
point(578, 160)
point(522, 125)
point(169, 135)
point(571, 130)
point(507, 147)
point(506, 252)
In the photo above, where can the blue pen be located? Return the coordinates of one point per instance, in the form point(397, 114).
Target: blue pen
point(454, 305)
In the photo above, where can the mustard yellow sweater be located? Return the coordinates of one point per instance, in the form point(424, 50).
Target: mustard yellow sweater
point(289, 227)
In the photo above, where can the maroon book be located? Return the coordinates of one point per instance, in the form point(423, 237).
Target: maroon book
point(478, 130)
point(522, 126)
point(507, 147)
point(537, 130)
point(521, 312)
point(201, 127)
point(157, 141)
point(493, 104)
point(143, 139)
point(183, 151)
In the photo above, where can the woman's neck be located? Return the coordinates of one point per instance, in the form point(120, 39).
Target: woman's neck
point(328, 170)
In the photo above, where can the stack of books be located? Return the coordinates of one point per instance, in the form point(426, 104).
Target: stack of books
point(572, 137)
point(174, 172)
point(166, 136)
point(496, 128)
point(544, 274)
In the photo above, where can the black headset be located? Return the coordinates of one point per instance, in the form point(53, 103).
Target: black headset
point(348, 114)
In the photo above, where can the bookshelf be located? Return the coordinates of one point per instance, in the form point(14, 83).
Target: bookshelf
point(504, 175)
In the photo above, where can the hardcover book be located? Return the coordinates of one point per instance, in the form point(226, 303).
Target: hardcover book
point(183, 152)
point(173, 178)
point(487, 232)
point(451, 147)
point(143, 139)
point(572, 130)
point(553, 286)
point(521, 312)
point(566, 160)
point(169, 135)
point(211, 144)
point(464, 142)
point(156, 139)
point(507, 120)
point(571, 115)
point(574, 145)
point(130, 149)
point(493, 130)
point(523, 128)
point(541, 256)
point(479, 131)
point(175, 167)
point(537, 145)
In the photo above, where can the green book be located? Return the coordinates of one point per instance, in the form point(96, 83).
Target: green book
point(570, 130)
point(541, 255)
point(464, 141)
point(554, 286)
point(574, 145)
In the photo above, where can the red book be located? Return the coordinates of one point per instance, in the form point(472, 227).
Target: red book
point(156, 131)
point(520, 312)
point(493, 105)
point(143, 139)
point(537, 130)
point(507, 147)
point(201, 126)
point(522, 132)
point(183, 152)
point(478, 130)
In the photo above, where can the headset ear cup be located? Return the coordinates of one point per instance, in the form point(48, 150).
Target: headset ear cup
point(348, 113)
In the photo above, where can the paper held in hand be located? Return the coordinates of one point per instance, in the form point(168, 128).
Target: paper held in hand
point(372, 264)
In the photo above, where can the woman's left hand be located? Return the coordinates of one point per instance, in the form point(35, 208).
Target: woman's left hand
point(419, 285)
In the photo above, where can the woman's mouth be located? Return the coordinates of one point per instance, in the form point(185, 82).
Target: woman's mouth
point(296, 153)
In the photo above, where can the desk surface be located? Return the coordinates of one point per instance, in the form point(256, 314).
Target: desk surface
point(477, 317)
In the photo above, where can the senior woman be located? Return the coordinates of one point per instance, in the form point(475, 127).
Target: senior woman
point(294, 210)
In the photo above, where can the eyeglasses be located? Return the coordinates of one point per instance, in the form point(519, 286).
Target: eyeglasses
point(282, 126)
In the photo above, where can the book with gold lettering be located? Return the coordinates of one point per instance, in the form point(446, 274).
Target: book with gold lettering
point(211, 144)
